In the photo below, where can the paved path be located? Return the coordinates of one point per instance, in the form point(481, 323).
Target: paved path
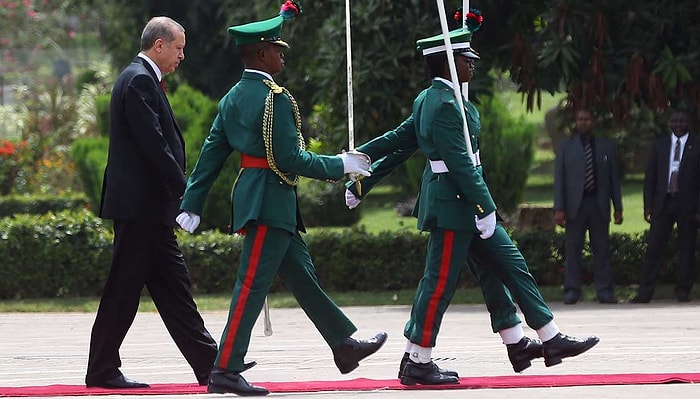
point(663, 337)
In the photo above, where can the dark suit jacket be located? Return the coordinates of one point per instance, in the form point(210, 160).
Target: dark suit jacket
point(656, 177)
point(144, 178)
point(570, 171)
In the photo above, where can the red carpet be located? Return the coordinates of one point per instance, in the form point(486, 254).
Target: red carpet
point(365, 384)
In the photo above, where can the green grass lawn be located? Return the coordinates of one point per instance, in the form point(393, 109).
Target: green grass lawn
point(285, 300)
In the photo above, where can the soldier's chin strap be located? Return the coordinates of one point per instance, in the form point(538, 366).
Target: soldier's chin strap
point(267, 128)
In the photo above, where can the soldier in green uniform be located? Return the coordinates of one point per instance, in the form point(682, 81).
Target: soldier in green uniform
point(455, 206)
point(261, 120)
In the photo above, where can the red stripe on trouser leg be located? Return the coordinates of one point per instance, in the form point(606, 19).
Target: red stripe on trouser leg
point(253, 262)
point(443, 275)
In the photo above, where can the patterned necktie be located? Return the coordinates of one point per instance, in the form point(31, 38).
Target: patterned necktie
point(589, 181)
point(162, 85)
point(673, 183)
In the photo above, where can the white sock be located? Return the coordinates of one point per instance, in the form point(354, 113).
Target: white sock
point(512, 335)
point(548, 331)
point(409, 346)
point(420, 354)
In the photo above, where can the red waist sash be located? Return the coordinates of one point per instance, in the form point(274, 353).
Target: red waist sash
point(248, 161)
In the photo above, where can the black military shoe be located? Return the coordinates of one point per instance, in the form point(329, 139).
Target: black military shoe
point(223, 381)
point(562, 346)
point(425, 374)
point(348, 354)
point(522, 353)
point(405, 358)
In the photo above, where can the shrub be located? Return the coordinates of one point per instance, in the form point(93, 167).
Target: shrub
point(102, 109)
point(44, 256)
point(322, 204)
point(507, 150)
point(40, 204)
point(90, 156)
point(15, 159)
point(69, 253)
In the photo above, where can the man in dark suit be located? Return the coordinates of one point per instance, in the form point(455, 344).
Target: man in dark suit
point(671, 187)
point(586, 179)
point(143, 183)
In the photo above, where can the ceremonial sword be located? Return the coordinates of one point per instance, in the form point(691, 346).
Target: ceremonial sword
point(453, 73)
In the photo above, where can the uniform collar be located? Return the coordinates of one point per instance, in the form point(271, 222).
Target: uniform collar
point(264, 74)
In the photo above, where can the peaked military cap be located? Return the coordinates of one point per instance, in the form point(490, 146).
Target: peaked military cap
point(459, 38)
point(268, 30)
point(460, 43)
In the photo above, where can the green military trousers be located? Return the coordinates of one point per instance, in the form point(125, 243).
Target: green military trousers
point(500, 269)
point(268, 251)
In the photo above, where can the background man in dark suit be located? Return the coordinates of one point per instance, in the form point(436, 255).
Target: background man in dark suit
point(586, 179)
point(143, 183)
point(671, 187)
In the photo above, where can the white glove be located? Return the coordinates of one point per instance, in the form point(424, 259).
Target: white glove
point(188, 221)
point(355, 163)
point(350, 200)
point(486, 225)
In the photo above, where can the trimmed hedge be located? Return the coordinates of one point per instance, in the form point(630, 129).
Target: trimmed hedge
point(44, 256)
point(321, 204)
point(69, 253)
point(40, 204)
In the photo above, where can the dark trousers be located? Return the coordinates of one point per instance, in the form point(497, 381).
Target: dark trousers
point(659, 233)
point(146, 254)
point(588, 219)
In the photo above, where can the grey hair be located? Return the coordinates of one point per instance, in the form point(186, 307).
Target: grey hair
point(159, 28)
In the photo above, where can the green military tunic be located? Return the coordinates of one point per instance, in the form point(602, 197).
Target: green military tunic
point(265, 208)
point(446, 207)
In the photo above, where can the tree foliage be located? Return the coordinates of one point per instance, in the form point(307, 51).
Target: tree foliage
point(608, 55)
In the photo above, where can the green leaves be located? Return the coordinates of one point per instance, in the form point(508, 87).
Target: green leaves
point(559, 53)
point(673, 69)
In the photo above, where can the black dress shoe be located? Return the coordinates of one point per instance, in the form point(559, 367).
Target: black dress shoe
point(425, 374)
point(223, 381)
point(405, 358)
point(640, 299)
point(203, 378)
point(522, 353)
point(683, 298)
point(119, 382)
point(607, 300)
point(348, 354)
point(562, 346)
point(570, 298)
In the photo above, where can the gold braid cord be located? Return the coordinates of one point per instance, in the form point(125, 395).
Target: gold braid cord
point(267, 128)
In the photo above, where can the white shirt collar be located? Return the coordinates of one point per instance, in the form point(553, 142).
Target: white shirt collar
point(682, 138)
point(445, 81)
point(450, 85)
point(153, 65)
point(265, 74)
